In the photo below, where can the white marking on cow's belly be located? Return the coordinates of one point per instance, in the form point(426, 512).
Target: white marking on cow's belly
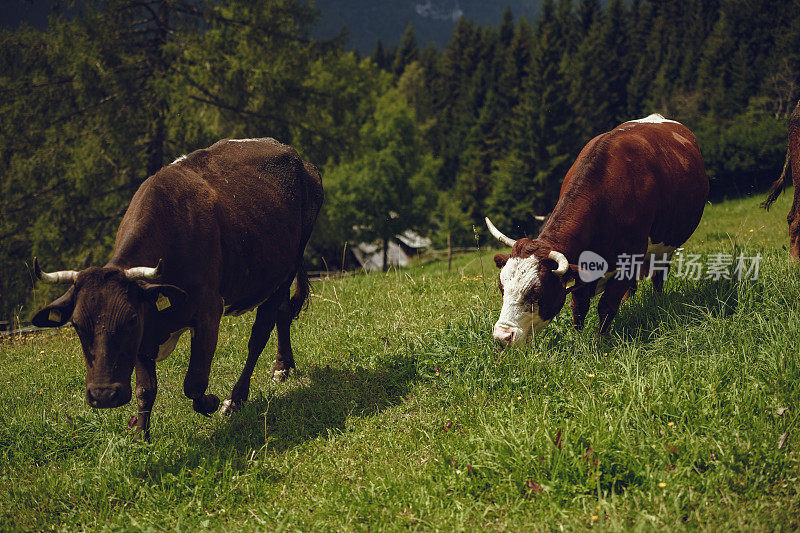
point(655, 118)
point(164, 350)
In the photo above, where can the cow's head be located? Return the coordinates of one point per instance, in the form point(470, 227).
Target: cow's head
point(113, 311)
point(534, 282)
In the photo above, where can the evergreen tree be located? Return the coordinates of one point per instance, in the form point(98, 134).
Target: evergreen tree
point(598, 94)
point(482, 147)
point(379, 56)
point(528, 179)
point(407, 51)
point(506, 30)
point(587, 15)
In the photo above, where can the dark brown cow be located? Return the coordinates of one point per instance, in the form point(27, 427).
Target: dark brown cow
point(220, 231)
point(638, 189)
point(791, 173)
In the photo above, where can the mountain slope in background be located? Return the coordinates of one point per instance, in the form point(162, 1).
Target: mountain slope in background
point(433, 20)
point(366, 20)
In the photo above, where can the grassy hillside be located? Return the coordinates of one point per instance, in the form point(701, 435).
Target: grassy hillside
point(404, 414)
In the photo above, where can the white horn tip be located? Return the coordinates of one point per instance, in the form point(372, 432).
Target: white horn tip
point(498, 234)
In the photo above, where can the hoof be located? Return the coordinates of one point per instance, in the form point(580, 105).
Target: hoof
point(229, 407)
point(206, 405)
point(281, 375)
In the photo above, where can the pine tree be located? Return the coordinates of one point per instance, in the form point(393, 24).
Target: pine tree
point(598, 93)
point(506, 30)
point(528, 179)
point(407, 51)
point(379, 56)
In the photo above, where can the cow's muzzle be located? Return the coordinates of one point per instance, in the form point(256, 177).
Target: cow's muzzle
point(507, 335)
point(107, 396)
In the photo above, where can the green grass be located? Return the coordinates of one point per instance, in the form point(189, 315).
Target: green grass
point(404, 414)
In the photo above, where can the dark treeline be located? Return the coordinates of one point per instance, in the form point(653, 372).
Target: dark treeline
point(412, 137)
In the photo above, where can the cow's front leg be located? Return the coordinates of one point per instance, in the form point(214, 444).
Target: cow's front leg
point(609, 303)
point(204, 343)
point(631, 292)
point(284, 360)
point(146, 388)
point(579, 304)
point(259, 335)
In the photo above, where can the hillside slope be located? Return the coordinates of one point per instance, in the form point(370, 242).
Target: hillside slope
point(433, 20)
point(405, 415)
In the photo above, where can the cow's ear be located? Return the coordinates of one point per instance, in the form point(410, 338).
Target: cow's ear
point(164, 297)
point(57, 313)
point(501, 259)
point(571, 280)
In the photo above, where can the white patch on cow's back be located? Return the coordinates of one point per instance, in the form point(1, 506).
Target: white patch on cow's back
point(178, 160)
point(164, 350)
point(260, 140)
point(655, 118)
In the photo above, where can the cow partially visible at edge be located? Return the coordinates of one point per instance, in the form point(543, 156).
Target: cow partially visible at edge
point(790, 175)
point(219, 231)
point(638, 189)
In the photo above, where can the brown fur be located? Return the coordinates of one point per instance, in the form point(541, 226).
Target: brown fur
point(638, 181)
point(229, 223)
point(790, 175)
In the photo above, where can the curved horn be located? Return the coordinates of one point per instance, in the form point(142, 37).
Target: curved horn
point(137, 273)
point(62, 276)
point(563, 264)
point(499, 236)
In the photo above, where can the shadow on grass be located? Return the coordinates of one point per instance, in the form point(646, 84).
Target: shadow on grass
point(320, 402)
point(315, 404)
point(680, 305)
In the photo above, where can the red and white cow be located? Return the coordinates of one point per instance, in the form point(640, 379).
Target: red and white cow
point(637, 190)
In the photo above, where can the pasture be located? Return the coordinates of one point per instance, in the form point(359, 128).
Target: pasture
point(404, 414)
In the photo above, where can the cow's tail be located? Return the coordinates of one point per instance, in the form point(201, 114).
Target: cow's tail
point(777, 188)
point(301, 291)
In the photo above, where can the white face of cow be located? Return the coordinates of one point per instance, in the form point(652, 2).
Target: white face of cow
point(521, 286)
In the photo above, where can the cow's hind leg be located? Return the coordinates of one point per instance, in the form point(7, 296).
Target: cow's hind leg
point(631, 292)
point(204, 343)
point(658, 280)
point(284, 360)
point(794, 230)
point(259, 335)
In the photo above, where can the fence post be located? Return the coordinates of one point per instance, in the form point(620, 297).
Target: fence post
point(449, 250)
